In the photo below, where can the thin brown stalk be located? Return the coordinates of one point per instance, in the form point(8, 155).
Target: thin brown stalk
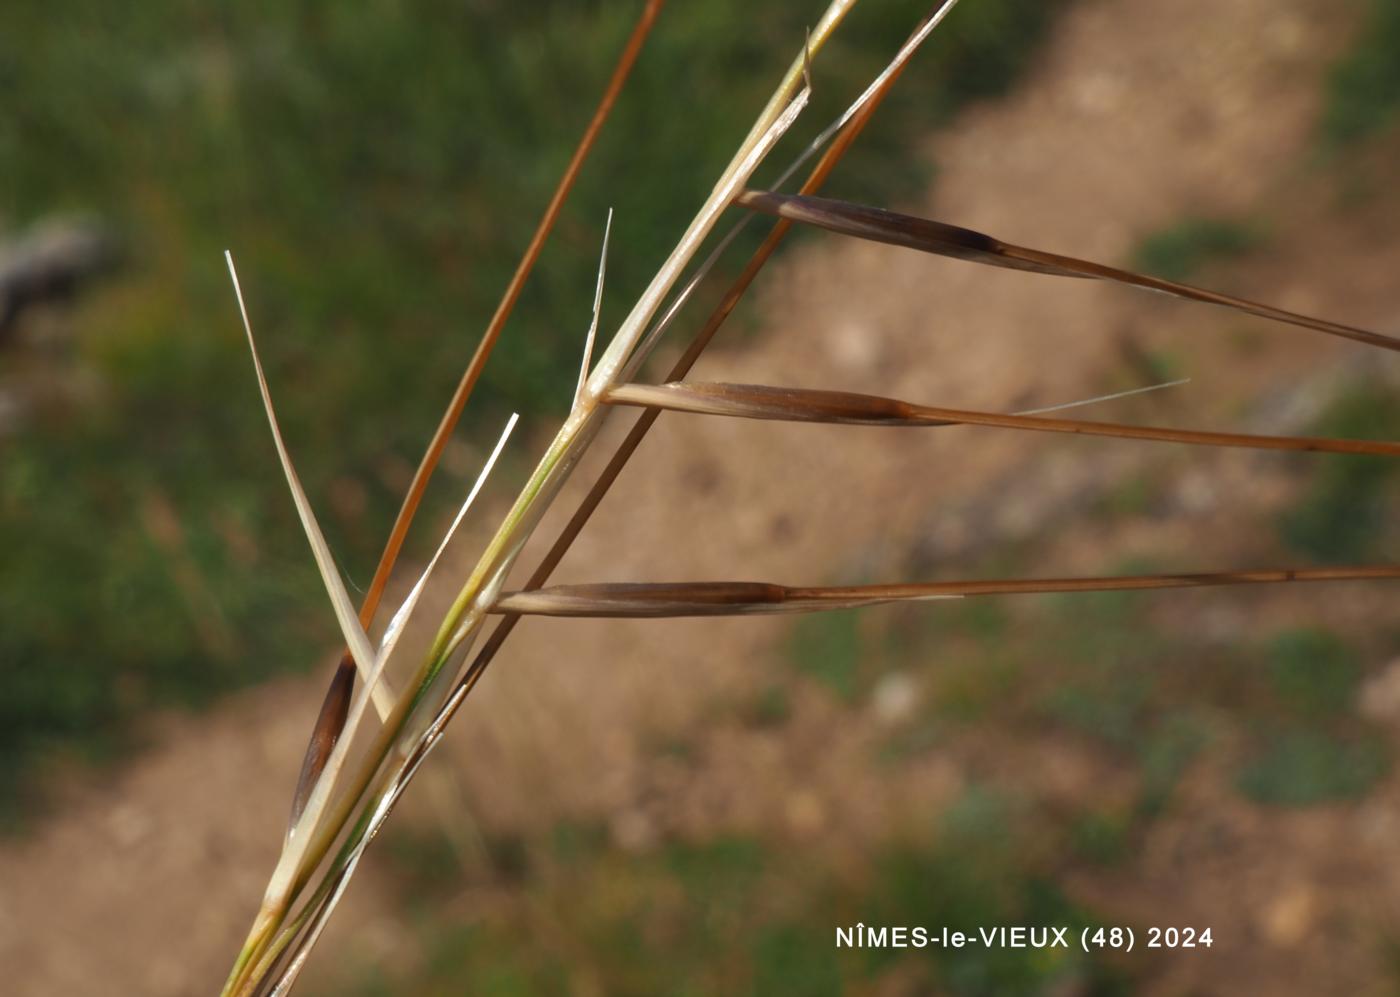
point(940, 239)
point(754, 401)
point(676, 599)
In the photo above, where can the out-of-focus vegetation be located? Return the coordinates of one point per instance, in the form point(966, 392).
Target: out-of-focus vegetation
point(1363, 94)
point(376, 169)
point(735, 915)
point(1343, 514)
point(1179, 252)
point(1312, 751)
point(828, 648)
point(1278, 713)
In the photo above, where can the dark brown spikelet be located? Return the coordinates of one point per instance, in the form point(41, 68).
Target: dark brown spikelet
point(941, 239)
point(324, 735)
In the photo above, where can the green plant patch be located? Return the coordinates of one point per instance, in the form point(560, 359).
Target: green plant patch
point(1313, 672)
point(1103, 837)
point(1164, 754)
point(1300, 767)
point(1109, 656)
point(426, 866)
point(772, 707)
point(795, 958)
point(827, 647)
point(1183, 250)
point(1342, 513)
point(981, 868)
point(973, 683)
point(574, 843)
point(1363, 89)
point(732, 915)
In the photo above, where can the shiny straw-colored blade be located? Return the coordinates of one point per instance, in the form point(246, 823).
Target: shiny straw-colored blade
point(350, 627)
point(676, 599)
point(941, 239)
point(755, 401)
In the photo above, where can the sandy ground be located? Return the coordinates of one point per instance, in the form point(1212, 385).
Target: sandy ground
point(1136, 115)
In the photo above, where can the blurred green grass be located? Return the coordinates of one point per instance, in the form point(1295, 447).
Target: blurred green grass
point(1181, 250)
point(1312, 750)
point(1114, 674)
point(827, 647)
point(1363, 92)
point(737, 914)
point(376, 169)
point(1342, 516)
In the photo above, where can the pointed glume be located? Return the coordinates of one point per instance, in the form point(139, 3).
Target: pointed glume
point(941, 239)
point(587, 363)
point(350, 627)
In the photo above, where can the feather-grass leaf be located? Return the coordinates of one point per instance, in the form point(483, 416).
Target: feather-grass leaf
point(941, 239)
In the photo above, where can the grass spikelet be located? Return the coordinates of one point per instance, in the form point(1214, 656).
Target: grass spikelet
point(641, 600)
point(754, 401)
point(941, 239)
